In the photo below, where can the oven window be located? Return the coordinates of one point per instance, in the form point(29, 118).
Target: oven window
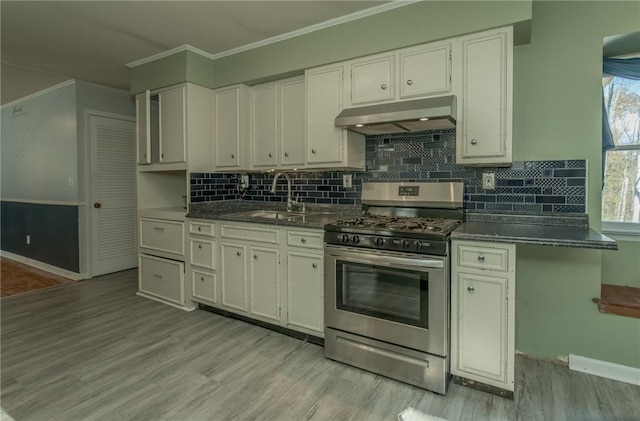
point(392, 294)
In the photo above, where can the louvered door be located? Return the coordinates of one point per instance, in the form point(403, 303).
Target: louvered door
point(113, 195)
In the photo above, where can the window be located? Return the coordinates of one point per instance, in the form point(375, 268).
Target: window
point(621, 193)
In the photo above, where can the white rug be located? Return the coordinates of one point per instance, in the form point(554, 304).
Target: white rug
point(412, 414)
point(4, 416)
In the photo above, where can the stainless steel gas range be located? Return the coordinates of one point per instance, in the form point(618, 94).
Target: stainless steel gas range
point(387, 282)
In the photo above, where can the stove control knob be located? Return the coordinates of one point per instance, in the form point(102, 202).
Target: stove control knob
point(344, 238)
point(379, 242)
point(421, 245)
point(405, 244)
point(355, 239)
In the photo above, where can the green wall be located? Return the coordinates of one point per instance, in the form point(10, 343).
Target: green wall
point(622, 267)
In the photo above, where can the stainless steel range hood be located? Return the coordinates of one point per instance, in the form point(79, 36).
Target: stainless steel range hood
point(406, 116)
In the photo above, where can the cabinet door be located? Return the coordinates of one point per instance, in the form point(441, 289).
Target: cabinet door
point(172, 126)
point(265, 283)
point(263, 125)
point(204, 285)
point(324, 93)
point(227, 126)
point(482, 325)
point(234, 276)
point(305, 298)
point(372, 80)
point(162, 278)
point(291, 122)
point(425, 71)
point(486, 98)
point(143, 133)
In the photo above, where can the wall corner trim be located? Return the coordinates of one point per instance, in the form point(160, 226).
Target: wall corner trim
point(605, 369)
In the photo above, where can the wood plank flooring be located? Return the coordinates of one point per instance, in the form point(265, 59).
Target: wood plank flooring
point(93, 350)
point(18, 278)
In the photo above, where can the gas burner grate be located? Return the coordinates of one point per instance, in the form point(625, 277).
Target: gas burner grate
point(401, 223)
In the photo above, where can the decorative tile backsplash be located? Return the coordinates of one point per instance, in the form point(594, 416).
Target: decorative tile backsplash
point(530, 186)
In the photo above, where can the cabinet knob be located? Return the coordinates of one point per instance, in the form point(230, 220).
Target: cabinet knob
point(202, 278)
point(409, 82)
point(471, 289)
point(199, 228)
point(383, 86)
point(161, 155)
point(286, 154)
point(474, 141)
point(255, 256)
point(200, 246)
point(232, 156)
point(481, 258)
point(238, 253)
point(313, 151)
point(270, 155)
point(303, 240)
point(314, 265)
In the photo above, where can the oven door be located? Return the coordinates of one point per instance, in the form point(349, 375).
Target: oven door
point(388, 296)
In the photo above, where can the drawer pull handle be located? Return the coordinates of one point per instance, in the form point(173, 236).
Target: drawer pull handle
point(158, 228)
point(314, 265)
point(303, 240)
point(481, 258)
point(238, 253)
point(157, 275)
point(471, 289)
point(255, 256)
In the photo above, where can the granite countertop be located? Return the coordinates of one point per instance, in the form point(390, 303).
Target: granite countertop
point(571, 230)
point(315, 215)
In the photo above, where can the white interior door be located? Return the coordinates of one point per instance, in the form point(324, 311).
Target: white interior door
point(113, 195)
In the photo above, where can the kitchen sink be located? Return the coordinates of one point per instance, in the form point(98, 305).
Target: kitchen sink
point(282, 215)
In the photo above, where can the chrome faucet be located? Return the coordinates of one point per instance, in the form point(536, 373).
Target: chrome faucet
point(291, 202)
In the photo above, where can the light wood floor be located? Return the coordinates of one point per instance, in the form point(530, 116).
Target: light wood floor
point(93, 350)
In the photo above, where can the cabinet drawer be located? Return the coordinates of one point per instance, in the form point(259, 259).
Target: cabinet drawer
point(308, 239)
point(203, 253)
point(204, 285)
point(484, 258)
point(162, 235)
point(249, 233)
point(163, 278)
point(202, 228)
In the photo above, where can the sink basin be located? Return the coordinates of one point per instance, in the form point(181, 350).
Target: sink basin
point(269, 214)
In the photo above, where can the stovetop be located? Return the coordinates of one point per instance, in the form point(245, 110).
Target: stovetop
point(398, 225)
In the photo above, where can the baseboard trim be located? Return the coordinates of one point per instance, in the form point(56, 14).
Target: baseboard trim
point(621, 373)
point(44, 266)
point(169, 303)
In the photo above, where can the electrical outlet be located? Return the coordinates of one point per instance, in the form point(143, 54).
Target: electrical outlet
point(244, 181)
point(488, 180)
point(28, 239)
point(71, 182)
point(346, 181)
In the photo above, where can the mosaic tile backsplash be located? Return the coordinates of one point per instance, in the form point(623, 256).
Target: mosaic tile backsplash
point(530, 186)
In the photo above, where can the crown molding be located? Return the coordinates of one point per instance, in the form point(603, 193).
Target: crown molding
point(394, 4)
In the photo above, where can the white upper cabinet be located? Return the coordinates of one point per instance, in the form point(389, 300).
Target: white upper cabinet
point(403, 74)
point(484, 128)
point(425, 70)
point(372, 80)
point(161, 126)
point(277, 124)
point(172, 125)
point(329, 146)
point(230, 127)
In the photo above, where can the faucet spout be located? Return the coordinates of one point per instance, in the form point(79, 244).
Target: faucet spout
point(290, 201)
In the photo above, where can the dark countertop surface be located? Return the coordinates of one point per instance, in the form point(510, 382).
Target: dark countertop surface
point(314, 217)
point(571, 230)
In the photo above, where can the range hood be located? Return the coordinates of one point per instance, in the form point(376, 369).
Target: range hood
point(401, 117)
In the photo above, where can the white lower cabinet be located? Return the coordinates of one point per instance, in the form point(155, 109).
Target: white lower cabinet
point(268, 273)
point(203, 260)
point(483, 312)
point(305, 296)
point(161, 278)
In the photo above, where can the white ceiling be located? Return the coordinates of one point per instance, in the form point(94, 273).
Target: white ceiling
point(47, 42)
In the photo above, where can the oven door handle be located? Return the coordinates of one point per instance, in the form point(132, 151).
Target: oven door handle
point(396, 262)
